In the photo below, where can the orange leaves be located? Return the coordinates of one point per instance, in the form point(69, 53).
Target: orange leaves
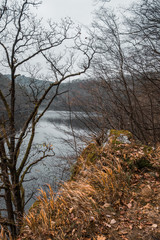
point(101, 238)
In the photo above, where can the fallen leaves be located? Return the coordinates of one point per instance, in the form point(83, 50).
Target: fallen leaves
point(101, 238)
point(123, 232)
point(154, 226)
point(129, 205)
point(113, 221)
point(106, 205)
point(107, 225)
point(146, 191)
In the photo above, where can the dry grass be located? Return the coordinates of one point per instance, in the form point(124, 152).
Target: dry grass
point(79, 210)
point(59, 216)
point(77, 207)
point(5, 235)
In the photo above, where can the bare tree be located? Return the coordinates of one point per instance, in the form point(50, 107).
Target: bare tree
point(23, 38)
point(126, 70)
point(144, 39)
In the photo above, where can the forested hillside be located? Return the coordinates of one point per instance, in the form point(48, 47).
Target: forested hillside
point(73, 92)
point(23, 103)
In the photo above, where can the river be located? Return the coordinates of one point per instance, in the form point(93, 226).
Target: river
point(54, 130)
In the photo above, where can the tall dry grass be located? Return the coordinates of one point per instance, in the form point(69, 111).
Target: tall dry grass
point(100, 184)
point(76, 209)
point(5, 234)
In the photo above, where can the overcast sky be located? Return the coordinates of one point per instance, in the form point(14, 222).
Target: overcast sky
point(79, 10)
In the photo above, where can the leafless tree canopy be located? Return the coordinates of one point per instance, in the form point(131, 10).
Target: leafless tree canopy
point(126, 71)
point(22, 38)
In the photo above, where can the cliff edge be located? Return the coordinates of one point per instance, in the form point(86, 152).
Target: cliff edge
point(113, 193)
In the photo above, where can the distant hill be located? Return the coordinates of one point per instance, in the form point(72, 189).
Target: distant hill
point(73, 92)
point(23, 104)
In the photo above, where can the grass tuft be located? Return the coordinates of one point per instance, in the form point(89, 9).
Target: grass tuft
point(99, 187)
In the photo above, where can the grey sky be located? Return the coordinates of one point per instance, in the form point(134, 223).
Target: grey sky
point(79, 10)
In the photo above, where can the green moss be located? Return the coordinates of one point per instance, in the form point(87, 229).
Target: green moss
point(113, 138)
point(147, 149)
point(90, 148)
point(139, 163)
point(93, 152)
point(75, 169)
point(143, 163)
point(90, 153)
point(116, 142)
point(91, 157)
point(117, 133)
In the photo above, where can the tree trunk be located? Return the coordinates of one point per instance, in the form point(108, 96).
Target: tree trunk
point(7, 189)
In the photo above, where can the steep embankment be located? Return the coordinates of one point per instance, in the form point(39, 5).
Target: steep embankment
point(114, 193)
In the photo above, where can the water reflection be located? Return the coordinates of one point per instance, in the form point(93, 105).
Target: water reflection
point(53, 129)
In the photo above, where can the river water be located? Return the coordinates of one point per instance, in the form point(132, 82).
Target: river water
point(53, 130)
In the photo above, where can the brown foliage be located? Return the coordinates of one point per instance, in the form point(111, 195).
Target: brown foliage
point(100, 192)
